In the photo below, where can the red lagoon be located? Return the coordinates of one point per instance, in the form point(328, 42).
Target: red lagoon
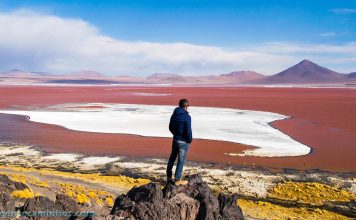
point(322, 118)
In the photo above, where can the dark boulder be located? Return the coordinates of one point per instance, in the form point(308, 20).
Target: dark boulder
point(228, 208)
point(63, 208)
point(145, 202)
point(147, 193)
point(188, 207)
point(7, 206)
point(65, 203)
point(192, 201)
point(7, 185)
point(40, 205)
point(122, 206)
point(7, 203)
point(199, 190)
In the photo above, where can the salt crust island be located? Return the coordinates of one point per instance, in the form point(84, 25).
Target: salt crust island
point(224, 124)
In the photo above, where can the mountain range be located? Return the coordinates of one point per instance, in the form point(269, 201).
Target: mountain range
point(305, 72)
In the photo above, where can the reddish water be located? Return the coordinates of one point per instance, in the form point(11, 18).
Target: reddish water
point(323, 119)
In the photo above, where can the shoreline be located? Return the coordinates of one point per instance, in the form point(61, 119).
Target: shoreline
point(52, 149)
point(38, 157)
point(255, 187)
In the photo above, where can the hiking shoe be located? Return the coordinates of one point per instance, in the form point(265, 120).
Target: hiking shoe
point(181, 182)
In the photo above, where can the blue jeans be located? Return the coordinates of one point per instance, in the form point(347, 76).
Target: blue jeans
point(180, 149)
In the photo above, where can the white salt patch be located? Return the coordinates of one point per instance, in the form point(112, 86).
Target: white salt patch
point(24, 150)
point(99, 160)
point(224, 124)
point(159, 160)
point(62, 157)
point(215, 172)
point(235, 154)
point(147, 167)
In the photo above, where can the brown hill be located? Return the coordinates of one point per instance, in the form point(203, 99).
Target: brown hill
point(306, 72)
point(84, 77)
point(242, 76)
point(351, 75)
point(233, 77)
point(87, 74)
point(166, 78)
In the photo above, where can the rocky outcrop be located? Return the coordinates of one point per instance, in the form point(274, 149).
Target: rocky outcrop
point(7, 202)
point(227, 207)
point(7, 185)
point(66, 203)
point(50, 209)
point(39, 204)
point(192, 201)
point(37, 208)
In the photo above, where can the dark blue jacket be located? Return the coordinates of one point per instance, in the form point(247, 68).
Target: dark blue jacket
point(180, 125)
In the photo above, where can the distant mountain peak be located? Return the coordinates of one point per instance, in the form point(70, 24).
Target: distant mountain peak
point(306, 71)
point(306, 61)
point(352, 75)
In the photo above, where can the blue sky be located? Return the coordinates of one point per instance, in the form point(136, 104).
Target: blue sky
point(242, 27)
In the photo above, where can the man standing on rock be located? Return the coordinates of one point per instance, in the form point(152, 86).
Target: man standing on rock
point(180, 127)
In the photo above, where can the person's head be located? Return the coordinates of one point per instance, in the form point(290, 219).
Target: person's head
point(183, 103)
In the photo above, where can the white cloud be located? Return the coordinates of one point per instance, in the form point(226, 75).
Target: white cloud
point(298, 48)
point(40, 42)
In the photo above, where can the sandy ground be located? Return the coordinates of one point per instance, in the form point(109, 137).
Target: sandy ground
point(321, 118)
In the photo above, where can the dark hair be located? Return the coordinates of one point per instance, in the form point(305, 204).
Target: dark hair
point(183, 103)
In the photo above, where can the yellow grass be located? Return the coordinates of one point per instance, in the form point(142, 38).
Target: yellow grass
point(92, 195)
point(83, 199)
point(109, 202)
point(309, 192)
point(26, 179)
point(265, 210)
point(116, 181)
point(23, 194)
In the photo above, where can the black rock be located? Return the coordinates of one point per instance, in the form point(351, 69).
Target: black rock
point(63, 208)
point(122, 205)
point(40, 205)
point(7, 203)
point(147, 193)
point(228, 208)
point(199, 190)
point(7, 185)
point(192, 201)
point(66, 203)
